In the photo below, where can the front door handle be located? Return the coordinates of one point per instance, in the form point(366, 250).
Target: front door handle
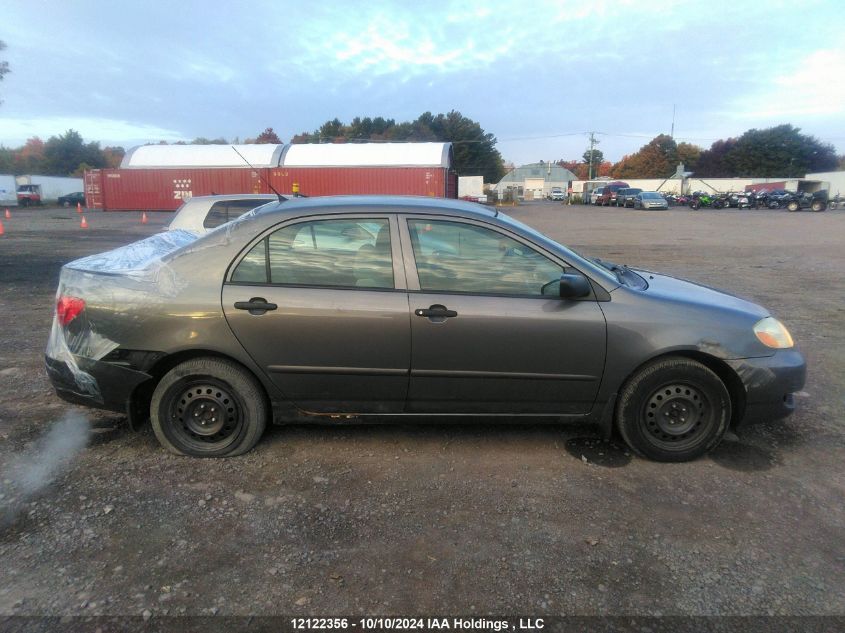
point(436, 311)
point(256, 305)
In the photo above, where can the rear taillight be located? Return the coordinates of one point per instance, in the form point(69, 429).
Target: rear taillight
point(68, 308)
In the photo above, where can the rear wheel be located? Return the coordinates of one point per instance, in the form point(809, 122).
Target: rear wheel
point(673, 410)
point(208, 407)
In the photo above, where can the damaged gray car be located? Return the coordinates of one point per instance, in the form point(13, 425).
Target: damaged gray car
point(386, 308)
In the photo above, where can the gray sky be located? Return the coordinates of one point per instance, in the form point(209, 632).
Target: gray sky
point(536, 74)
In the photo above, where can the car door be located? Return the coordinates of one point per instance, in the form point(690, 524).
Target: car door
point(489, 331)
point(320, 304)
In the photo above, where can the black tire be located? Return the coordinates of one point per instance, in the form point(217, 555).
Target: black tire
point(191, 397)
point(673, 410)
point(793, 206)
point(65, 204)
point(695, 205)
point(818, 205)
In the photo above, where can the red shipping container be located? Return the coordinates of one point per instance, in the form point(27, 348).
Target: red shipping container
point(333, 181)
point(165, 189)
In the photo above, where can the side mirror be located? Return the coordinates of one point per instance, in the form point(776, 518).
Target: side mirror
point(574, 286)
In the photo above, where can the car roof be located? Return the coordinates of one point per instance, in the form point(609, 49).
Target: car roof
point(235, 196)
point(384, 204)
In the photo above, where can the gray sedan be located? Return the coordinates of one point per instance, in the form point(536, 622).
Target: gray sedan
point(409, 309)
point(650, 200)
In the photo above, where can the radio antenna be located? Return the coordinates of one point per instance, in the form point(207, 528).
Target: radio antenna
point(263, 179)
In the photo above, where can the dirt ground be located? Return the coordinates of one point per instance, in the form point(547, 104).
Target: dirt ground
point(459, 519)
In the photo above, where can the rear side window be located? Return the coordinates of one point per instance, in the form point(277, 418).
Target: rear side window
point(226, 210)
point(351, 253)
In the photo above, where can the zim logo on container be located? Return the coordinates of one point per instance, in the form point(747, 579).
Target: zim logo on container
point(182, 189)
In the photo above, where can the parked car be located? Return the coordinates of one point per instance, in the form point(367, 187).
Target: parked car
point(595, 194)
point(650, 200)
point(72, 199)
point(625, 196)
point(204, 213)
point(608, 195)
point(557, 194)
point(406, 308)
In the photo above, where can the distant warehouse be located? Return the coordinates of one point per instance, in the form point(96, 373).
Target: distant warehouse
point(161, 177)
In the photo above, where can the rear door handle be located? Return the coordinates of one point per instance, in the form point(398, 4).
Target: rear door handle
point(256, 305)
point(435, 311)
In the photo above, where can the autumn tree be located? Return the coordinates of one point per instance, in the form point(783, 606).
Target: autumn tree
point(657, 159)
point(268, 136)
point(113, 156)
point(63, 154)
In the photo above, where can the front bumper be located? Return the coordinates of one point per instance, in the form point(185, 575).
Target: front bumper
point(115, 383)
point(770, 384)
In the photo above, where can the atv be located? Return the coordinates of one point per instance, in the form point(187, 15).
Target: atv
point(802, 200)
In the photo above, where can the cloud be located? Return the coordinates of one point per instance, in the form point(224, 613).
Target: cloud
point(813, 88)
point(17, 130)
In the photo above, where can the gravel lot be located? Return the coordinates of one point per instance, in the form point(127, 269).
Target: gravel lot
point(465, 518)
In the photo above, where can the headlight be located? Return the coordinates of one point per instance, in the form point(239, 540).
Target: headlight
point(773, 333)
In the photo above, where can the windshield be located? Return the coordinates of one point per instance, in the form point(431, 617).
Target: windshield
point(650, 195)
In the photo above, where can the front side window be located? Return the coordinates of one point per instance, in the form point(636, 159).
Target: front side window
point(350, 253)
point(459, 257)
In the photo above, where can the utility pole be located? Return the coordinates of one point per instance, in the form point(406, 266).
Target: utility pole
point(672, 133)
point(593, 142)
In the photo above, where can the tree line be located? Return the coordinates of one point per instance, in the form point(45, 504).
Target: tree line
point(780, 151)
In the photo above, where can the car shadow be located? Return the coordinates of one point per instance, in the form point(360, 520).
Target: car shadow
point(598, 451)
point(743, 457)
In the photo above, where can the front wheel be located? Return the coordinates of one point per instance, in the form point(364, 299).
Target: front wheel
point(695, 205)
point(65, 204)
point(208, 407)
point(673, 410)
point(818, 205)
point(793, 206)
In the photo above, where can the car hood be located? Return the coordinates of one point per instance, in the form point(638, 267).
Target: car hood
point(688, 292)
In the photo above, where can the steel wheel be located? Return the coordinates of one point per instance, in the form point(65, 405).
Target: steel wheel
point(208, 407)
point(673, 410)
point(673, 415)
point(204, 415)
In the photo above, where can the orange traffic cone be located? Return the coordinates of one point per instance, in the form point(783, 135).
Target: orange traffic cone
point(84, 223)
point(2, 230)
point(79, 207)
point(8, 215)
point(144, 217)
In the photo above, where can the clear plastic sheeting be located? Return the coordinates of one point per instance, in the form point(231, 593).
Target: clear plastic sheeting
point(137, 256)
point(88, 344)
point(123, 289)
point(135, 274)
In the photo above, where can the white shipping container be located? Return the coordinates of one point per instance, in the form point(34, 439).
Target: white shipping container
point(8, 191)
point(52, 186)
point(470, 186)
